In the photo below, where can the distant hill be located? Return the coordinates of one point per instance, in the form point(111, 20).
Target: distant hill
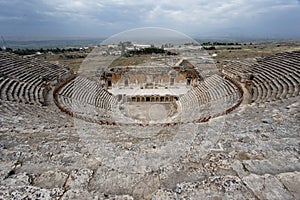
point(51, 44)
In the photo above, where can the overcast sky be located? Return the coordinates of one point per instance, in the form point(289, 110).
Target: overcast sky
point(102, 18)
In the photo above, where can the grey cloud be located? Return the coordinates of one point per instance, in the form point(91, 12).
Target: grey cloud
point(107, 17)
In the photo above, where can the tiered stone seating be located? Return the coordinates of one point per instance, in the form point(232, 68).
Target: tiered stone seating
point(276, 77)
point(28, 80)
point(212, 97)
point(85, 98)
point(237, 69)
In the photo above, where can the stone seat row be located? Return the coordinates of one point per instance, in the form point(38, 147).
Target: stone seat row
point(275, 79)
point(10, 58)
point(214, 88)
point(237, 69)
point(282, 87)
point(23, 92)
point(285, 56)
point(27, 80)
point(88, 91)
point(83, 109)
point(20, 68)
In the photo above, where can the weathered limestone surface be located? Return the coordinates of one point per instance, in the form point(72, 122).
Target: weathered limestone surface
point(267, 187)
point(291, 181)
point(252, 153)
point(249, 157)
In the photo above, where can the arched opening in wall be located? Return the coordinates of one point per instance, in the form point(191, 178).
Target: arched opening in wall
point(152, 99)
point(189, 79)
point(167, 98)
point(109, 83)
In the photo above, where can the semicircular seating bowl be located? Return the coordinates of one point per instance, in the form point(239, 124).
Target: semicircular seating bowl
point(23, 80)
point(86, 99)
